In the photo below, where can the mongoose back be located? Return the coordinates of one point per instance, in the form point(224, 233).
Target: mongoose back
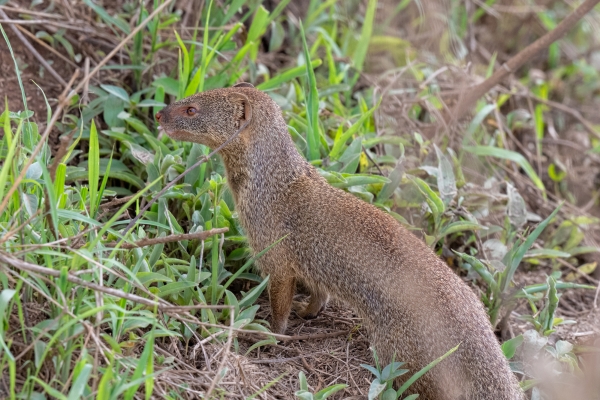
point(413, 304)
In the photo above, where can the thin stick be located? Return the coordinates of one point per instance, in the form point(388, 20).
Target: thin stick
point(317, 336)
point(33, 51)
point(120, 45)
point(474, 93)
point(171, 238)
point(116, 202)
point(559, 106)
point(11, 232)
point(47, 46)
point(160, 304)
point(86, 71)
point(226, 351)
point(12, 22)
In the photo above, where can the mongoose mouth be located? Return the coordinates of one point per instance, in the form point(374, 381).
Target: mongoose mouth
point(161, 131)
point(176, 134)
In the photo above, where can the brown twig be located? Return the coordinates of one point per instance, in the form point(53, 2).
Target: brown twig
point(226, 351)
point(118, 48)
point(12, 22)
point(25, 266)
point(160, 304)
point(474, 93)
point(11, 232)
point(33, 51)
point(116, 202)
point(60, 153)
point(86, 88)
point(285, 360)
point(47, 46)
point(317, 336)
point(171, 238)
point(559, 106)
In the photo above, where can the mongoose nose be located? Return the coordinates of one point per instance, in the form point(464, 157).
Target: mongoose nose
point(158, 116)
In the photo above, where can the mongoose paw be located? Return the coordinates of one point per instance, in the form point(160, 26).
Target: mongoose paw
point(278, 327)
point(305, 311)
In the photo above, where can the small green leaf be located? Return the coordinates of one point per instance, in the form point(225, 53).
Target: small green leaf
point(328, 391)
point(341, 141)
point(253, 294)
point(478, 119)
point(460, 226)
point(5, 298)
point(422, 372)
point(303, 382)
point(556, 174)
point(80, 383)
point(389, 394)
point(433, 200)
point(116, 91)
point(261, 343)
point(174, 288)
point(480, 268)
point(148, 278)
point(376, 388)
point(511, 156)
point(510, 346)
point(360, 54)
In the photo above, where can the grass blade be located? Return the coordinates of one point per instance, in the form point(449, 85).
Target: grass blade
point(312, 104)
point(8, 162)
point(287, 76)
point(365, 37)
point(339, 143)
point(80, 383)
point(257, 29)
point(424, 370)
point(510, 156)
point(514, 256)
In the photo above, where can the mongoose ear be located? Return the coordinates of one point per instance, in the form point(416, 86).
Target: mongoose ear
point(243, 84)
point(243, 100)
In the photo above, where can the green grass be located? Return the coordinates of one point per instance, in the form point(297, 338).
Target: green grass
point(97, 336)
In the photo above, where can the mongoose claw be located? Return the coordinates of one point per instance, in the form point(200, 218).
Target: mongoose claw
point(305, 311)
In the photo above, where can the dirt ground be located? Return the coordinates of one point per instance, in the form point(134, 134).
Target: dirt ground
point(36, 81)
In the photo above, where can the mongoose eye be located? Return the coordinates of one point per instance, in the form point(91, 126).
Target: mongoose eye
point(191, 111)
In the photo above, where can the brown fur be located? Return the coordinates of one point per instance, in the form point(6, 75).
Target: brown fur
point(411, 301)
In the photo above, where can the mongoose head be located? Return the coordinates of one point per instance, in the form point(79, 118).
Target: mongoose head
point(211, 117)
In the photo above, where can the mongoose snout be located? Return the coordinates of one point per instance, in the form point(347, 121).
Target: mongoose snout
point(414, 306)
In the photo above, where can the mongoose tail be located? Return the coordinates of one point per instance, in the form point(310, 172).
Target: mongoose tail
point(414, 305)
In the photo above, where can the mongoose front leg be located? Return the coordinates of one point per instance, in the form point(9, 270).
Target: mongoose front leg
point(318, 301)
point(281, 294)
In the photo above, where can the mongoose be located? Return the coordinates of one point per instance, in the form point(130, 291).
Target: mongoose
point(413, 304)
